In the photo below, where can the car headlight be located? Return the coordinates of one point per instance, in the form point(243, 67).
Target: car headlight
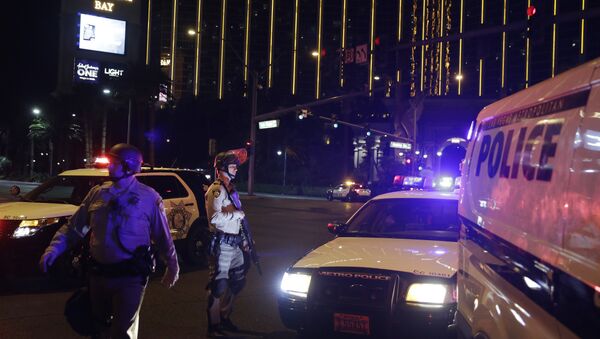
point(296, 283)
point(429, 293)
point(28, 228)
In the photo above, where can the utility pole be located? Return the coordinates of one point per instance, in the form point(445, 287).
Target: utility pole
point(252, 133)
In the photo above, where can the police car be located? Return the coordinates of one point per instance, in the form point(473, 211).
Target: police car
point(392, 266)
point(27, 226)
point(348, 191)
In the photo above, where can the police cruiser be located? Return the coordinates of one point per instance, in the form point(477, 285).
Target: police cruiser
point(391, 267)
point(530, 209)
point(27, 226)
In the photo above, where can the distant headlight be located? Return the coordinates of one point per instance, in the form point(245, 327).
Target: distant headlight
point(28, 228)
point(429, 293)
point(295, 284)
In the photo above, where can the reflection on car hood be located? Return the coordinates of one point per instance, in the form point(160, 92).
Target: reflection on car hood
point(421, 257)
point(34, 210)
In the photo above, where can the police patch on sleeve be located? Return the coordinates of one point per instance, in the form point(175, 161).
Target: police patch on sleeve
point(216, 193)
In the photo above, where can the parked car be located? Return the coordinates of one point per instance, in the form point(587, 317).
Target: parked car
point(392, 267)
point(27, 226)
point(349, 191)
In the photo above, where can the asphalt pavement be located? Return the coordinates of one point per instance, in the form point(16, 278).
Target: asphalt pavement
point(284, 230)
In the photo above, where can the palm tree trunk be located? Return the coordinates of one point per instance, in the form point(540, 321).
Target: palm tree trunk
point(104, 132)
point(50, 156)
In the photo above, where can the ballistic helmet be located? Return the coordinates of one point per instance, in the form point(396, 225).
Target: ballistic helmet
point(224, 159)
point(129, 156)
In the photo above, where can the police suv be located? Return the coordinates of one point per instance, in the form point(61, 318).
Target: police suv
point(530, 210)
point(27, 226)
point(392, 267)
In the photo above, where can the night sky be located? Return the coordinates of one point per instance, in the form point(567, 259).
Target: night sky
point(33, 30)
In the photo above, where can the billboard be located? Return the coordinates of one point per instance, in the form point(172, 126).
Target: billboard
point(101, 34)
point(92, 71)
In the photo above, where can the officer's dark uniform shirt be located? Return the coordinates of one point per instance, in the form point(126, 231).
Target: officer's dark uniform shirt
point(136, 215)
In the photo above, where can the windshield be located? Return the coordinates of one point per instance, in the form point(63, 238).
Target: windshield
point(428, 219)
point(64, 189)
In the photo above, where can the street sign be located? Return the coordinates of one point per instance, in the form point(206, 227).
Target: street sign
point(361, 54)
point(268, 124)
point(400, 145)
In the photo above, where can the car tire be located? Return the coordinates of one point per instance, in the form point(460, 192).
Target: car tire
point(351, 197)
point(196, 245)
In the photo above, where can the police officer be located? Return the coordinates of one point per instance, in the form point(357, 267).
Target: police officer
point(123, 217)
point(227, 270)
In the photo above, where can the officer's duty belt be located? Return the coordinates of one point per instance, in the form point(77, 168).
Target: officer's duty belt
point(230, 239)
point(123, 268)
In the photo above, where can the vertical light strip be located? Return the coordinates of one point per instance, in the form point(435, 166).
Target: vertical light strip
point(554, 41)
point(441, 46)
point(222, 48)
point(247, 44)
point(527, 52)
point(582, 28)
point(320, 28)
point(480, 76)
point(173, 42)
point(148, 33)
point(502, 76)
point(482, 11)
point(343, 42)
point(399, 35)
point(422, 46)
point(399, 20)
point(198, 49)
point(460, 47)
point(295, 48)
point(271, 24)
point(371, 47)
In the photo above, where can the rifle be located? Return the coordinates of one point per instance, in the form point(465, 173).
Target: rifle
point(251, 247)
point(235, 201)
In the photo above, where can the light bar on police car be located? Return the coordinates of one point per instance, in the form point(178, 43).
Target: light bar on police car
point(30, 227)
point(296, 283)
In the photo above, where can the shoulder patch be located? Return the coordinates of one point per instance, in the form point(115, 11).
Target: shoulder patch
point(216, 193)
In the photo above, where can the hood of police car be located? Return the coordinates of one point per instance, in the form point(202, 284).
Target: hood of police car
point(33, 210)
point(420, 257)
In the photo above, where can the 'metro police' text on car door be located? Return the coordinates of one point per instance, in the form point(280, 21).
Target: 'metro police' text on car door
point(497, 144)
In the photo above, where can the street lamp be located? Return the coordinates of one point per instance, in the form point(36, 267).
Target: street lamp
point(36, 112)
point(279, 153)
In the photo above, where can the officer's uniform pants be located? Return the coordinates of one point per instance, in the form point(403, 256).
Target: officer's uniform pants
point(227, 278)
point(120, 297)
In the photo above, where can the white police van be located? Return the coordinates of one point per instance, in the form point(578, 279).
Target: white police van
point(530, 211)
point(392, 267)
point(27, 226)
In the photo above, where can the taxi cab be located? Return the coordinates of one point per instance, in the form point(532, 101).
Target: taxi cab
point(391, 267)
point(27, 226)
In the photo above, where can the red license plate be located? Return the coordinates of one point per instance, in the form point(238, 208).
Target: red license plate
point(351, 323)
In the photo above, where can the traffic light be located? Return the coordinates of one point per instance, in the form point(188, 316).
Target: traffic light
point(249, 145)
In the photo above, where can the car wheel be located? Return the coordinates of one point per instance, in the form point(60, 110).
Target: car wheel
point(196, 245)
point(351, 197)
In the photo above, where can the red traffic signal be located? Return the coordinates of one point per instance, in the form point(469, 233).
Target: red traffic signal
point(377, 41)
point(531, 11)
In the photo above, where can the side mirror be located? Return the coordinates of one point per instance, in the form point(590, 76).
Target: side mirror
point(336, 227)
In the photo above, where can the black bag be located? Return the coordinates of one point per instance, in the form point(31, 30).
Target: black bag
point(78, 311)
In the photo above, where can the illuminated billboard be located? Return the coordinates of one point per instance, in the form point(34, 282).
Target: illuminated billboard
point(101, 34)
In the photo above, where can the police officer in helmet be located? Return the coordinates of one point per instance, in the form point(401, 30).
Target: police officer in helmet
point(227, 269)
point(123, 218)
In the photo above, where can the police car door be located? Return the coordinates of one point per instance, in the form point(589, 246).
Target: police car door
point(178, 199)
point(340, 191)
